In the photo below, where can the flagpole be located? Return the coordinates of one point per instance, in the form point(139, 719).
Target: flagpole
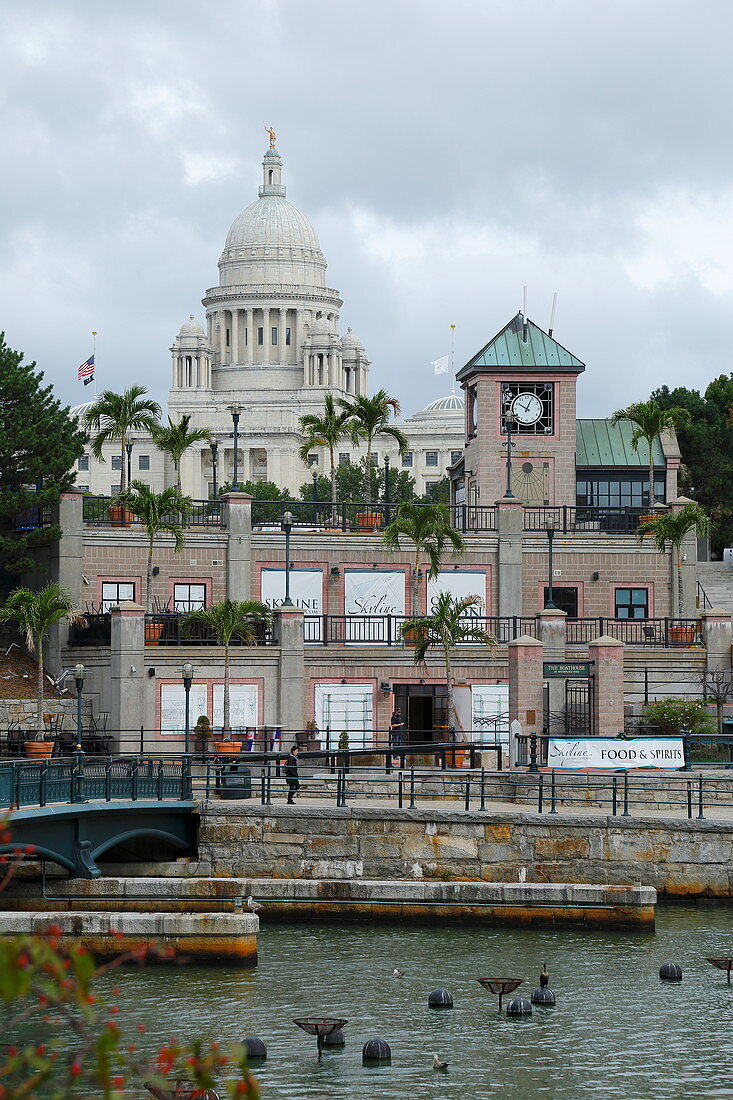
point(94, 355)
point(452, 360)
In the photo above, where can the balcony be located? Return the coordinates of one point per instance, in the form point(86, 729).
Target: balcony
point(101, 512)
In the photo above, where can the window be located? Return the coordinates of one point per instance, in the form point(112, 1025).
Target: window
point(544, 425)
point(83, 488)
point(631, 603)
point(375, 460)
point(313, 460)
point(455, 456)
point(116, 462)
point(564, 599)
point(115, 487)
point(287, 336)
point(114, 592)
point(344, 459)
point(228, 335)
point(429, 484)
point(260, 335)
point(431, 458)
point(274, 334)
point(620, 489)
point(189, 597)
point(407, 458)
point(83, 463)
point(143, 462)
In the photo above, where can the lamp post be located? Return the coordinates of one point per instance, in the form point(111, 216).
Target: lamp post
point(214, 446)
point(187, 677)
point(235, 409)
point(128, 448)
point(314, 495)
point(79, 674)
point(510, 426)
point(550, 530)
point(386, 487)
point(287, 525)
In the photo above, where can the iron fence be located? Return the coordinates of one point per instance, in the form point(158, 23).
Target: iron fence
point(665, 633)
point(353, 516)
point(78, 780)
point(569, 518)
point(31, 518)
point(99, 511)
point(95, 629)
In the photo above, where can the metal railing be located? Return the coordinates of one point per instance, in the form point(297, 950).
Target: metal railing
point(169, 628)
point(101, 511)
point(95, 629)
point(356, 517)
point(385, 629)
point(666, 633)
point(78, 780)
point(585, 518)
point(32, 518)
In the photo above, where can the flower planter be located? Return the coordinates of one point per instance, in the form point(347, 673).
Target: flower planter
point(682, 636)
point(119, 516)
point(227, 748)
point(153, 632)
point(410, 638)
point(38, 750)
point(369, 521)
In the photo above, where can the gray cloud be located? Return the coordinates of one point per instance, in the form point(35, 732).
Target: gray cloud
point(446, 153)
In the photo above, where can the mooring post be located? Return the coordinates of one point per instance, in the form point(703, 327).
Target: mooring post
point(268, 785)
point(412, 789)
point(700, 814)
point(467, 804)
point(614, 795)
point(540, 792)
point(626, 795)
point(399, 790)
point(482, 805)
point(553, 806)
point(533, 752)
point(689, 798)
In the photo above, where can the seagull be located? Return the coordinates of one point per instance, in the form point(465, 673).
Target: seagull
point(253, 905)
point(437, 1064)
point(397, 973)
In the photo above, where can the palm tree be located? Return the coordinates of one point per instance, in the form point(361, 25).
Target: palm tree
point(225, 619)
point(650, 420)
point(35, 613)
point(324, 431)
point(160, 513)
point(446, 626)
point(114, 415)
point(671, 527)
point(428, 527)
point(174, 439)
point(367, 418)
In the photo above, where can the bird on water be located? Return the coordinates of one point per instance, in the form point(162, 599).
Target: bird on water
point(397, 973)
point(253, 905)
point(437, 1064)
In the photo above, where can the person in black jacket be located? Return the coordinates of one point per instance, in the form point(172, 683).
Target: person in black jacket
point(291, 774)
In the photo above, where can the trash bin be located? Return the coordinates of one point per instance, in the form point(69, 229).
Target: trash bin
point(233, 781)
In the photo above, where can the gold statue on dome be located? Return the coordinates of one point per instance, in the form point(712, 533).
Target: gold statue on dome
point(271, 132)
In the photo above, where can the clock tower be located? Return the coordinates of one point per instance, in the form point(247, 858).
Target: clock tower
point(520, 392)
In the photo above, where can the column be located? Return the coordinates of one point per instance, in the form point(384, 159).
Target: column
point(249, 337)
point(127, 669)
point(607, 665)
point(289, 636)
point(66, 567)
point(281, 336)
point(525, 656)
point(235, 336)
point(509, 523)
point(552, 636)
point(221, 319)
point(295, 337)
point(266, 335)
point(716, 637)
point(237, 518)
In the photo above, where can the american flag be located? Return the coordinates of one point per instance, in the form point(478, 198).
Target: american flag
point(86, 371)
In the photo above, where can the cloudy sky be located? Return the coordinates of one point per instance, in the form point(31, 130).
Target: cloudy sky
point(447, 151)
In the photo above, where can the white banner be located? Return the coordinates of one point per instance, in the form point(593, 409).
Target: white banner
point(306, 588)
point(242, 706)
point(372, 592)
point(577, 753)
point(173, 707)
point(459, 583)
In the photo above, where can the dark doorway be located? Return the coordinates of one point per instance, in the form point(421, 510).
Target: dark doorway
point(425, 710)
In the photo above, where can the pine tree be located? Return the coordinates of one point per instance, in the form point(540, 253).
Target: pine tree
point(39, 445)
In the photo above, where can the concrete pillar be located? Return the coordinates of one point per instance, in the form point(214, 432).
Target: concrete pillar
point(716, 637)
point(525, 683)
point(290, 706)
point(509, 525)
point(552, 635)
point(235, 336)
point(127, 670)
point(221, 318)
point(237, 518)
point(266, 335)
point(607, 657)
point(67, 568)
point(248, 340)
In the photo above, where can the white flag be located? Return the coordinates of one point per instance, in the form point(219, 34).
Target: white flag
point(441, 365)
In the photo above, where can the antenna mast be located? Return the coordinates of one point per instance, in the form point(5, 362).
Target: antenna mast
point(452, 361)
point(552, 314)
point(524, 317)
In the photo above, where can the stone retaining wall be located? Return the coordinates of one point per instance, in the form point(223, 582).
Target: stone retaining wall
point(677, 857)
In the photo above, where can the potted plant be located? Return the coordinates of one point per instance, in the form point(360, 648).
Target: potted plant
point(310, 738)
point(202, 732)
point(39, 748)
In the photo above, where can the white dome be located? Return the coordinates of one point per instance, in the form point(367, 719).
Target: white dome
point(451, 406)
point(272, 222)
point(79, 411)
point(191, 327)
point(351, 340)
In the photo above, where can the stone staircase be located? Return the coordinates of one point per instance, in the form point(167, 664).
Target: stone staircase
point(716, 577)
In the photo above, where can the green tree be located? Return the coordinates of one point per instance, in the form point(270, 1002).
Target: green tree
point(448, 624)
point(112, 418)
point(439, 493)
point(351, 485)
point(649, 420)
point(327, 431)
point(34, 614)
point(175, 438)
point(39, 444)
point(367, 419)
point(429, 529)
point(226, 619)
point(160, 514)
point(671, 527)
point(273, 497)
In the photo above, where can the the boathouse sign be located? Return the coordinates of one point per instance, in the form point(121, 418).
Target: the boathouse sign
point(565, 668)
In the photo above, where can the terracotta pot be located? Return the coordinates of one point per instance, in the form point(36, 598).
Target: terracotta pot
point(682, 636)
point(119, 516)
point(227, 748)
point(369, 521)
point(38, 750)
point(410, 637)
point(153, 632)
point(648, 518)
point(454, 758)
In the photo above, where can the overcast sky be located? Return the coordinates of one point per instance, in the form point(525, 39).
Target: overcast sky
point(446, 151)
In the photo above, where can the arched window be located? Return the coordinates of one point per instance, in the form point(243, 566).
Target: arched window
point(270, 175)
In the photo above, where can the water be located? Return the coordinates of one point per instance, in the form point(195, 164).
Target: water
point(617, 1030)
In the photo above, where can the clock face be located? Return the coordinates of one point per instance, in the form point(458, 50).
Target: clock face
point(526, 408)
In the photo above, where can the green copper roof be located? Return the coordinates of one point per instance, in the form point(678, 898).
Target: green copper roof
point(510, 350)
point(599, 443)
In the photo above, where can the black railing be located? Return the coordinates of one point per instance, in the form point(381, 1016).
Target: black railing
point(586, 518)
point(104, 512)
point(93, 630)
point(385, 629)
point(32, 518)
point(170, 628)
point(665, 633)
point(357, 517)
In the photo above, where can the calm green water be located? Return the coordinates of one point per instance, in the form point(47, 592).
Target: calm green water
point(616, 1032)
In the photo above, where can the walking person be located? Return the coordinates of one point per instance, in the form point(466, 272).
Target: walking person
point(291, 774)
point(396, 729)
